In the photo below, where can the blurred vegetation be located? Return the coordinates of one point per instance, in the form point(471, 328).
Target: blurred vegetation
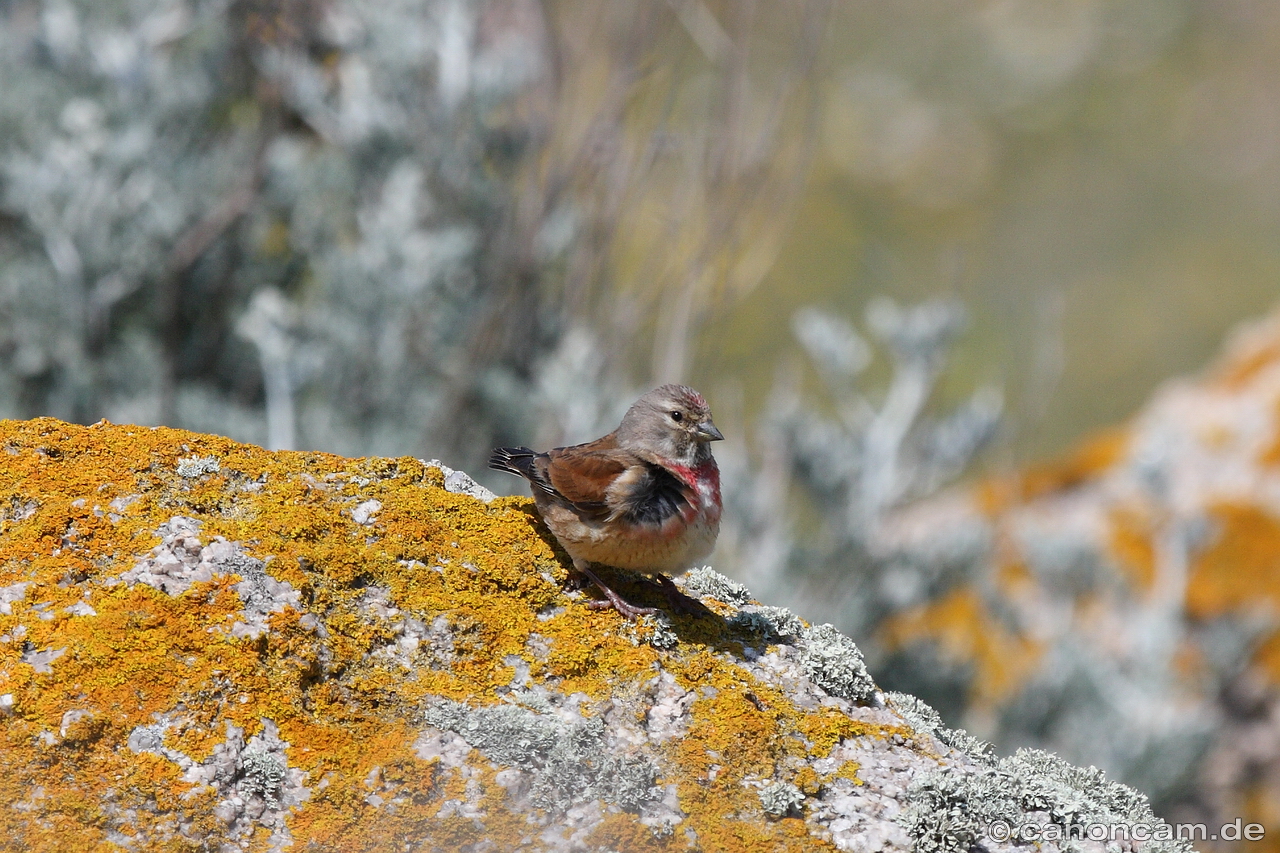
point(431, 226)
point(1095, 180)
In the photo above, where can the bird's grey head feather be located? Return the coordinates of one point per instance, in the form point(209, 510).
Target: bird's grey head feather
point(673, 422)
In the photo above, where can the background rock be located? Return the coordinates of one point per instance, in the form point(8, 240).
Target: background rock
point(1122, 605)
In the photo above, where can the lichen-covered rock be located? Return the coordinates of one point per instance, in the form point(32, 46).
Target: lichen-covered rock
point(206, 646)
point(1119, 605)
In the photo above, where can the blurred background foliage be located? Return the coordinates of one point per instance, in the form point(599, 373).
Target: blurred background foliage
point(890, 240)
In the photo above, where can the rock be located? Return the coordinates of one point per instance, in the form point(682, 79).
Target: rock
point(1120, 605)
point(261, 651)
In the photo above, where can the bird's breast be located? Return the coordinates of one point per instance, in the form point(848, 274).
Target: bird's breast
point(671, 546)
point(704, 479)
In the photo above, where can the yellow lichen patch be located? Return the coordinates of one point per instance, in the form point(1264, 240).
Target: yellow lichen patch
point(1268, 656)
point(826, 728)
point(622, 832)
point(1255, 355)
point(848, 770)
point(743, 734)
point(1131, 543)
point(83, 505)
point(713, 761)
point(1271, 453)
point(788, 835)
point(1242, 566)
point(965, 631)
point(730, 734)
point(996, 495)
point(1086, 462)
point(808, 781)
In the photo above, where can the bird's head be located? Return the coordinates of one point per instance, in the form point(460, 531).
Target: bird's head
point(672, 422)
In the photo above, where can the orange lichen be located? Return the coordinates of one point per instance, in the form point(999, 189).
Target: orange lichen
point(1255, 355)
point(1270, 454)
point(824, 729)
point(1086, 462)
point(1131, 543)
point(996, 495)
point(1242, 566)
point(1268, 656)
point(80, 506)
point(965, 631)
point(623, 832)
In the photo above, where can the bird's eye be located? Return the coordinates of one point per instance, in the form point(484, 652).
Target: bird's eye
point(677, 416)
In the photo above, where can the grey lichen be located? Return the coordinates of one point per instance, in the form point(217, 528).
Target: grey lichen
point(568, 762)
point(706, 582)
point(263, 775)
point(262, 594)
point(771, 623)
point(781, 799)
point(784, 622)
point(750, 622)
point(920, 715)
point(661, 633)
point(579, 770)
point(834, 663)
point(952, 809)
point(950, 812)
point(1063, 780)
point(504, 733)
point(924, 719)
point(191, 467)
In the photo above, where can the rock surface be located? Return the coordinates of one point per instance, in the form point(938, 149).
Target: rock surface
point(207, 646)
point(1122, 605)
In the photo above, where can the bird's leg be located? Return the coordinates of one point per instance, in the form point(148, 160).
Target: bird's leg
point(677, 600)
point(630, 611)
point(577, 580)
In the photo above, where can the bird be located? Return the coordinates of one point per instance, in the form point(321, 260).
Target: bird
point(645, 497)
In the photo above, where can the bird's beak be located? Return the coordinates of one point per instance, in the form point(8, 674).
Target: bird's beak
point(707, 431)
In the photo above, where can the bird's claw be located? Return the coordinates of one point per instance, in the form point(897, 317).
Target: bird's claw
point(628, 611)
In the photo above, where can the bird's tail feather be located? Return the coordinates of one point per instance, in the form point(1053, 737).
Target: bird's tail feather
point(513, 460)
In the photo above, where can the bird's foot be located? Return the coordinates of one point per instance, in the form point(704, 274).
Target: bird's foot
point(628, 610)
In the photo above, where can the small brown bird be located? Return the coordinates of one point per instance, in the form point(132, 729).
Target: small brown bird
point(645, 497)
